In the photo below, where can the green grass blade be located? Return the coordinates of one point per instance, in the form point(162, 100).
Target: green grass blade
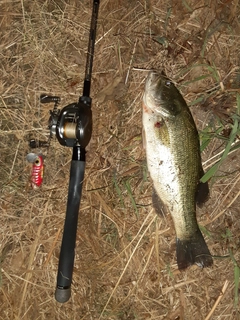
point(238, 104)
point(197, 79)
point(169, 11)
point(214, 72)
point(185, 70)
point(236, 278)
point(205, 231)
point(129, 190)
point(207, 135)
point(187, 6)
point(236, 281)
point(119, 192)
point(197, 101)
point(210, 173)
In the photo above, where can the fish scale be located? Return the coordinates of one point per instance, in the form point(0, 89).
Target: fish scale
point(174, 163)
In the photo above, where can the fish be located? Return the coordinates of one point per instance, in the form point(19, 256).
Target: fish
point(172, 146)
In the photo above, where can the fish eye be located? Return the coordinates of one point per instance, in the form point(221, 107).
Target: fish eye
point(168, 83)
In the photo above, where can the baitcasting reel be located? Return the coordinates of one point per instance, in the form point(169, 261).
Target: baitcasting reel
point(73, 124)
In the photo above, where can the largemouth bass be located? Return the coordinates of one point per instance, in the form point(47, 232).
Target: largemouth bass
point(173, 155)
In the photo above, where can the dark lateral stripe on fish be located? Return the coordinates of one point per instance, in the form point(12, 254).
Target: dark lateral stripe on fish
point(193, 251)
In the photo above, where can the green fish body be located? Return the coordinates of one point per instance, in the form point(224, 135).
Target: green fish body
point(174, 163)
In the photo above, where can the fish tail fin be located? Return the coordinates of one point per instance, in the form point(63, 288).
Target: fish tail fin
point(193, 251)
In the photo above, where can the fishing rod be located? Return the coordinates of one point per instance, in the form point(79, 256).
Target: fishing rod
point(73, 128)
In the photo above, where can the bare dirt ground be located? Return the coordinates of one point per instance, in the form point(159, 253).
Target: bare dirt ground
point(125, 266)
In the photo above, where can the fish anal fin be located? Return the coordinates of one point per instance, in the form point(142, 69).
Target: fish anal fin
point(202, 194)
point(143, 139)
point(157, 203)
point(193, 251)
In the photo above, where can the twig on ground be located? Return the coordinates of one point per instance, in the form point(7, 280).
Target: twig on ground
point(224, 289)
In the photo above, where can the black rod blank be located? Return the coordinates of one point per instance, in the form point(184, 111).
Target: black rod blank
point(67, 253)
point(90, 53)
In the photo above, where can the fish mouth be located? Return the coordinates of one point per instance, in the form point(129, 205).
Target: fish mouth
point(154, 97)
point(153, 78)
point(156, 74)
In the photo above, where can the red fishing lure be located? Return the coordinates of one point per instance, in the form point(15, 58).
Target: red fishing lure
point(37, 172)
point(36, 178)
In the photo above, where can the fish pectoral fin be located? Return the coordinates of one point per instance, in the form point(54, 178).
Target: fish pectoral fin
point(202, 194)
point(193, 251)
point(157, 203)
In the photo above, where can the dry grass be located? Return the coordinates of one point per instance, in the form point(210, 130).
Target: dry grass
point(125, 264)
